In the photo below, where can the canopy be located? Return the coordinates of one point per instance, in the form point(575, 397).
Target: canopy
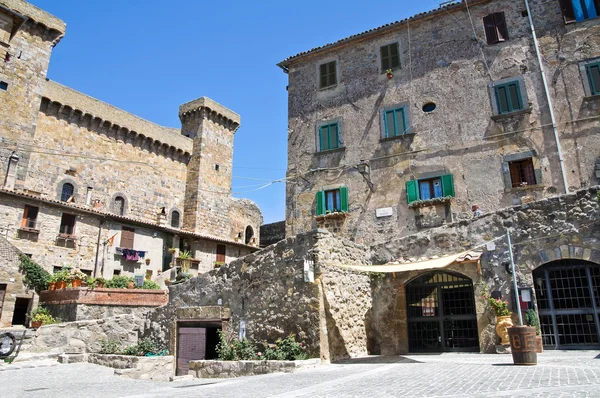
point(420, 264)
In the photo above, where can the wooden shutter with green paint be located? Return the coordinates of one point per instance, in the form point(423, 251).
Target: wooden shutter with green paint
point(320, 203)
point(412, 191)
point(447, 185)
point(344, 199)
point(593, 71)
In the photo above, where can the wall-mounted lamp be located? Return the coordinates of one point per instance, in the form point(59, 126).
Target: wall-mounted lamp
point(365, 171)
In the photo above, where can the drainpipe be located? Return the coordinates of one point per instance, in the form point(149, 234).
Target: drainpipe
point(98, 245)
point(547, 91)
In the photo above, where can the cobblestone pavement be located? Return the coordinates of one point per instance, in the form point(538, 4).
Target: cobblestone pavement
point(558, 374)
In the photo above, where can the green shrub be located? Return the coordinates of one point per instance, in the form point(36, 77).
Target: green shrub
point(150, 285)
point(110, 346)
point(287, 349)
point(531, 319)
point(41, 314)
point(119, 282)
point(232, 349)
point(145, 347)
point(35, 276)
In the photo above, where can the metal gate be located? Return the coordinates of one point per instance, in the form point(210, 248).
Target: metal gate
point(568, 299)
point(441, 313)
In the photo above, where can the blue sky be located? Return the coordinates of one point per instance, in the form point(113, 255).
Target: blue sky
point(148, 57)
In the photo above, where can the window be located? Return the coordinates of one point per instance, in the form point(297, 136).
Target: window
point(249, 235)
point(221, 250)
point(390, 57)
point(332, 201)
point(522, 173)
point(119, 205)
point(579, 10)
point(67, 224)
point(395, 122)
point(3, 86)
point(175, 219)
point(430, 188)
point(495, 28)
point(593, 75)
point(29, 220)
point(328, 137)
point(127, 235)
point(67, 192)
point(327, 74)
point(508, 97)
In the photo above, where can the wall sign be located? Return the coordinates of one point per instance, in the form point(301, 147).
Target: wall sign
point(384, 212)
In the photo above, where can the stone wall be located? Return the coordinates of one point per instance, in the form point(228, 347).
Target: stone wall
point(244, 213)
point(442, 64)
point(157, 368)
point(227, 369)
point(11, 282)
point(272, 233)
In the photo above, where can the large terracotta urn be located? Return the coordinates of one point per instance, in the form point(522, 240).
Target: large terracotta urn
point(502, 324)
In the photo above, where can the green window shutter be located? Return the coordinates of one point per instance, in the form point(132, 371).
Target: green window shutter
point(320, 203)
point(324, 138)
point(394, 56)
point(593, 71)
point(515, 96)
point(502, 99)
point(448, 185)
point(333, 136)
point(323, 75)
point(385, 58)
point(400, 122)
point(332, 74)
point(412, 191)
point(389, 124)
point(344, 198)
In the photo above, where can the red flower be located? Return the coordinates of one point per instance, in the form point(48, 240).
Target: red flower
point(260, 354)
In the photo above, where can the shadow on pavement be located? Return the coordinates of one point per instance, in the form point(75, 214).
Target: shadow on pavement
point(375, 360)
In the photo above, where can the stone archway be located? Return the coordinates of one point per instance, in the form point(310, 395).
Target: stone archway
point(249, 235)
point(568, 299)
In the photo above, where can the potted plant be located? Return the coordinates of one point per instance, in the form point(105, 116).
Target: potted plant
point(219, 264)
point(41, 316)
point(76, 277)
point(62, 277)
point(185, 260)
point(531, 318)
point(503, 317)
point(100, 282)
point(52, 282)
point(389, 74)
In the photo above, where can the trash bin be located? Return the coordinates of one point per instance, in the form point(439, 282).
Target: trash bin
point(523, 345)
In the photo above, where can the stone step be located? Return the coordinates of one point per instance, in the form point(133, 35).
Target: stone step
point(35, 356)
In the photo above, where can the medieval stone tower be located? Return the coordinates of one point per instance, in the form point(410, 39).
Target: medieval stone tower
point(211, 126)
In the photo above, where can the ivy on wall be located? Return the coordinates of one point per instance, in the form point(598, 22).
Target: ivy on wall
point(36, 277)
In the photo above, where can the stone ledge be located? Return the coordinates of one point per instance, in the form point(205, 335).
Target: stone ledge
point(214, 369)
point(159, 368)
point(120, 297)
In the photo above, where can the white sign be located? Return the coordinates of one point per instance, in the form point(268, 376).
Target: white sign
point(526, 296)
point(491, 246)
point(384, 212)
point(309, 270)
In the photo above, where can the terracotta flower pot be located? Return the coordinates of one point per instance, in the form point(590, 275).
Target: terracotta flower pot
point(61, 285)
point(52, 286)
point(130, 285)
point(389, 75)
point(36, 324)
point(502, 324)
point(76, 283)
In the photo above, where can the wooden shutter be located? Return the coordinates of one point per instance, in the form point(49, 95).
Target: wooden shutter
point(394, 56)
point(320, 203)
point(412, 191)
point(127, 235)
point(333, 136)
point(332, 74)
point(221, 252)
point(447, 185)
point(323, 75)
point(491, 32)
point(594, 76)
point(501, 28)
point(344, 199)
point(515, 96)
point(502, 99)
point(25, 216)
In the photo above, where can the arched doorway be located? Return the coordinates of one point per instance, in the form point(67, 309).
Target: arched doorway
point(249, 235)
point(441, 313)
point(568, 299)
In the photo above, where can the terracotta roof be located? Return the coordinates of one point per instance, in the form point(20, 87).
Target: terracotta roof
point(371, 32)
point(103, 213)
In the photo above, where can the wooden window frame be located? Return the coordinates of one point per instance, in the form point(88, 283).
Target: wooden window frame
point(70, 228)
point(221, 255)
point(26, 221)
point(522, 173)
point(387, 61)
point(594, 88)
point(510, 108)
point(496, 30)
point(328, 74)
point(64, 198)
point(413, 191)
point(173, 212)
point(569, 14)
point(329, 145)
point(394, 113)
point(341, 207)
point(127, 237)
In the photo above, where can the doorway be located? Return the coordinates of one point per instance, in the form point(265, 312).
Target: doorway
point(20, 312)
point(568, 299)
point(196, 340)
point(441, 313)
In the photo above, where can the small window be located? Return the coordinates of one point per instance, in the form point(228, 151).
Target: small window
point(175, 219)
point(67, 224)
point(430, 188)
point(3, 86)
point(328, 137)
point(67, 192)
point(579, 10)
point(390, 57)
point(116, 272)
point(522, 173)
point(249, 235)
point(216, 167)
point(127, 236)
point(508, 97)
point(119, 205)
point(593, 75)
point(495, 28)
point(395, 122)
point(332, 201)
point(29, 220)
point(221, 251)
point(327, 74)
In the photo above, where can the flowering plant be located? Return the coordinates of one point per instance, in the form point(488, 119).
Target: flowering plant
point(499, 306)
point(75, 273)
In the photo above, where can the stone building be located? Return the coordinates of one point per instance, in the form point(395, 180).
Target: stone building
point(462, 118)
point(89, 185)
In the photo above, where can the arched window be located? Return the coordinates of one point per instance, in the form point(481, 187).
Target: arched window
point(249, 234)
point(119, 205)
point(67, 192)
point(175, 219)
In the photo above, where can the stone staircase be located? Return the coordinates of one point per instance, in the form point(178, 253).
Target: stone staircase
point(21, 354)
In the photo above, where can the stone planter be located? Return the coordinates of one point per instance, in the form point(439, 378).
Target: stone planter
point(540, 344)
point(213, 369)
point(502, 324)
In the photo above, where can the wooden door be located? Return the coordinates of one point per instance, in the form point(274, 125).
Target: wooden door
point(191, 346)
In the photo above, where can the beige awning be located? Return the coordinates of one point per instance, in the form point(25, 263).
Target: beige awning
point(420, 264)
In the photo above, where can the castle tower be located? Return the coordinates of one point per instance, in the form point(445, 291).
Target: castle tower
point(208, 181)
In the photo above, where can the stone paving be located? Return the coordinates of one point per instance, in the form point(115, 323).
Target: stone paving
point(558, 374)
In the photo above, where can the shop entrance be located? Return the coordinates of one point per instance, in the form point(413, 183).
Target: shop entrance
point(441, 313)
point(568, 299)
